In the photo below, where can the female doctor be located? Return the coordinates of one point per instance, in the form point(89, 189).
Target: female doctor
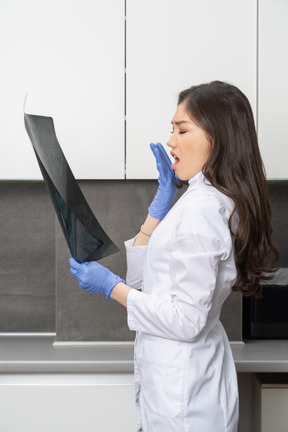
point(186, 261)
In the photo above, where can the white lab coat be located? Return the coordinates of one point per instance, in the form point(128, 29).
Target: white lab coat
point(185, 377)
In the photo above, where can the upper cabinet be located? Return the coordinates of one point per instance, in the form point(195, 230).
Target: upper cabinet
point(68, 57)
point(273, 89)
point(172, 45)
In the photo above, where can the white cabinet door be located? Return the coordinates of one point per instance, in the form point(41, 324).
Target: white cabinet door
point(69, 57)
point(172, 45)
point(68, 403)
point(273, 89)
point(271, 402)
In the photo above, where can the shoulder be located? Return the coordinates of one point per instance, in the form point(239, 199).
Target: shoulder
point(204, 214)
point(205, 204)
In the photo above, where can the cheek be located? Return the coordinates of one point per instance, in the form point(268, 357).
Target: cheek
point(200, 153)
point(205, 148)
point(198, 156)
point(208, 151)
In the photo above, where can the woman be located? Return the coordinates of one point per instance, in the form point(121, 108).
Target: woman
point(217, 237)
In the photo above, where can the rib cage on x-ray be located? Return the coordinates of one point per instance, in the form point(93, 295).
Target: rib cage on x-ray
point(84, 235)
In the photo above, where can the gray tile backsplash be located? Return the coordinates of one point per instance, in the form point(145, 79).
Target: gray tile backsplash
point(27, 256)
point(37, 291)
point(120, 208)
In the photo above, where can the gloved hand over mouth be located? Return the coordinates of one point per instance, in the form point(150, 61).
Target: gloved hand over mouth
point(93, 277)
point(167, 183)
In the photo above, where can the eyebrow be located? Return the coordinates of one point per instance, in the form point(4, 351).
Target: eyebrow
point(177, 123)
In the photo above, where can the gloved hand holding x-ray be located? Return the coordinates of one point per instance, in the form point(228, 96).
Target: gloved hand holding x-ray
point(93, 277)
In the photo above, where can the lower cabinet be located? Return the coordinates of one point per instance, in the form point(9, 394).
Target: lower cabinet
point(95, 402)
point(271, 403)
point(67, 402)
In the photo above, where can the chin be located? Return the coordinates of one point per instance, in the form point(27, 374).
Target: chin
point(182, 177)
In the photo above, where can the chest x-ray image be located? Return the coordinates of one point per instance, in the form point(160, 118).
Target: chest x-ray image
point(86, 239)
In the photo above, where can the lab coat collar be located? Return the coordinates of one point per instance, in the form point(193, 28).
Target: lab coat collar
point(197, 180)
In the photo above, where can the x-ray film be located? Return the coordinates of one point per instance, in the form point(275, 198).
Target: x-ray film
point(84, 235)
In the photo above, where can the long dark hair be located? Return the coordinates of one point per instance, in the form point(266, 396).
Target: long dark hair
point(235, 168)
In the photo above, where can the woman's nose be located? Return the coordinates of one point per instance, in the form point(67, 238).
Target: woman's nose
point(170, 141)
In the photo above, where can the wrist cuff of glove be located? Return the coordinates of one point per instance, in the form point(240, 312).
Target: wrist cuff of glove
point(157, 213)
point(117, 280)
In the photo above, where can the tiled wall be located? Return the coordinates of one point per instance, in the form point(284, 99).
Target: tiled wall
point(37, 292)
point(27, 258)
point(120, 208)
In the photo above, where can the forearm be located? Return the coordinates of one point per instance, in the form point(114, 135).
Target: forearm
point(148, 227)
point(120, 293)
point(121, 290)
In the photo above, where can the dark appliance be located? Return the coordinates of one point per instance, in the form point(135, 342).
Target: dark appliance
point(267, 317)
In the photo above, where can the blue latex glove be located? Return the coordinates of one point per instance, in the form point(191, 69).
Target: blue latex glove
point(167, 183)
point(93, 277)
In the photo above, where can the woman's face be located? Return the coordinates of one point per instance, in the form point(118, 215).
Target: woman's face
point(190, 146)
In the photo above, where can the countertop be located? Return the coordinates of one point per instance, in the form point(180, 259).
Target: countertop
point(40, 354)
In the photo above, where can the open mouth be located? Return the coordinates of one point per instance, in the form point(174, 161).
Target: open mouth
point(176, 159)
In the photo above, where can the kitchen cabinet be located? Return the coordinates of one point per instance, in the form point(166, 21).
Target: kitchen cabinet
point(65, 402)
point(68, 58)
point(172, 45)
point(273, 90)
point(271, 399)
point(47, 385)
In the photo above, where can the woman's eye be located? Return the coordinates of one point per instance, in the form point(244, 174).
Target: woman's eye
point(180, 132)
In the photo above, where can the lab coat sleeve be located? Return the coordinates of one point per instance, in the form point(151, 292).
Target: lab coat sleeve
point(135, 257)
point(202, 242)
